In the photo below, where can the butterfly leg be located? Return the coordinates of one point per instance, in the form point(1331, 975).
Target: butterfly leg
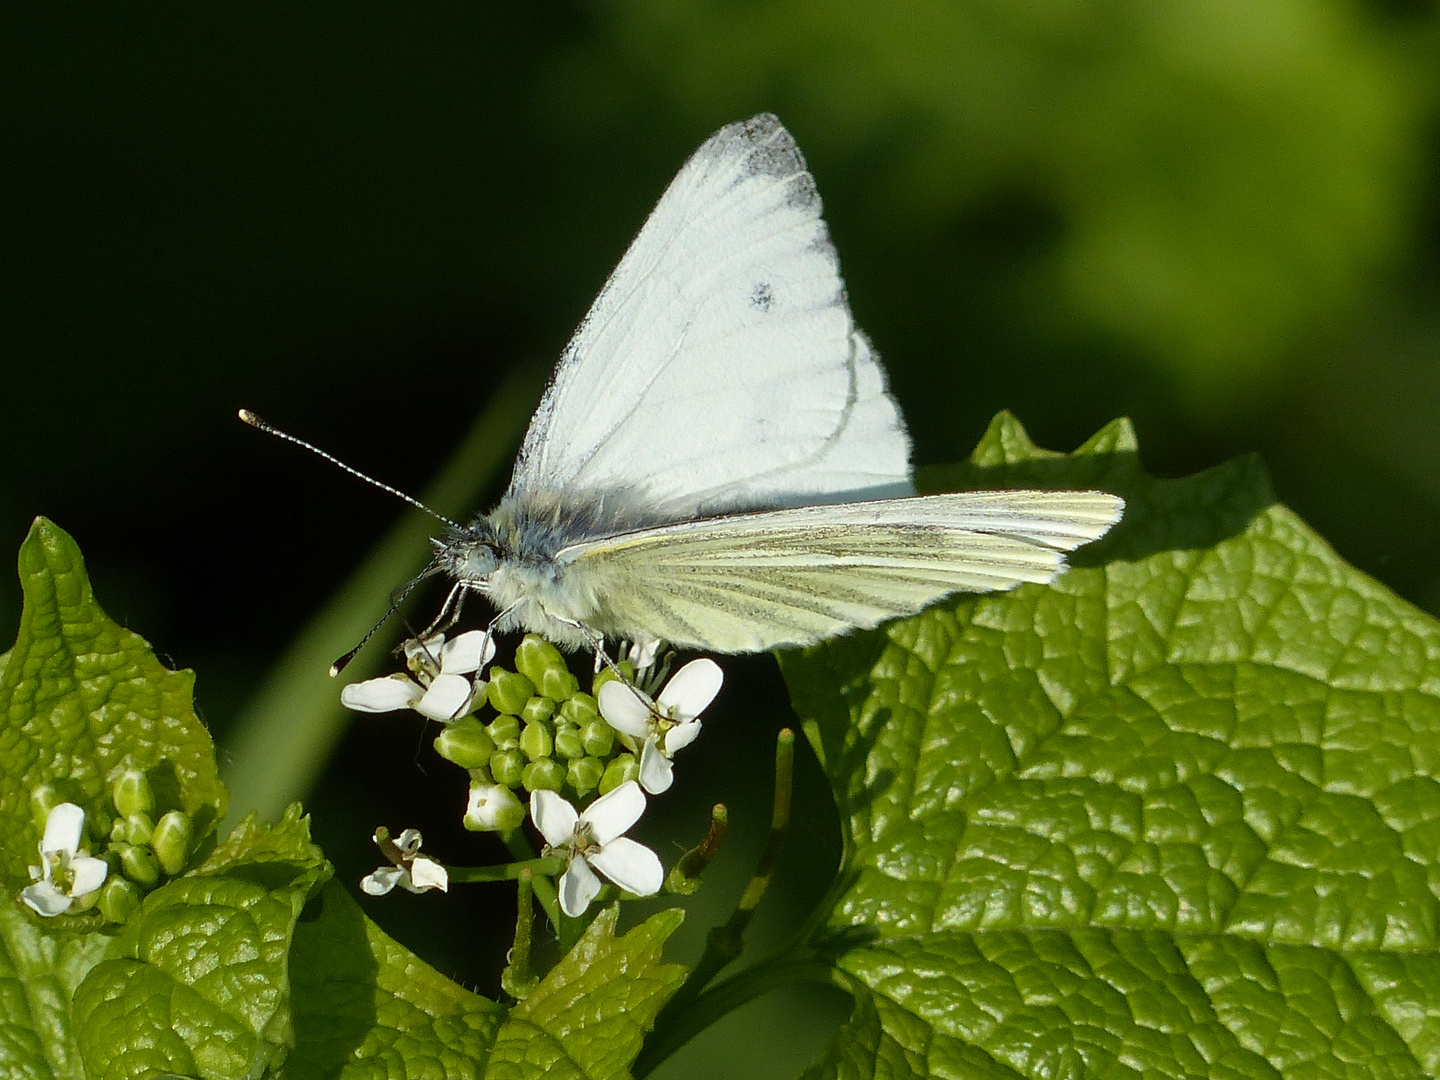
point(454, 602)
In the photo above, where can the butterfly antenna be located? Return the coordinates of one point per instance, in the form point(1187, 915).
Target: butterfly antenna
point(396, 599)
point(255, 422)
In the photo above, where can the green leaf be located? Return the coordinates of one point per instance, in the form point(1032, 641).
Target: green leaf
point(39, 971)
point(589, 1014)
point(364, 1006)
point(200, 982)
point(1174, 815)
point(81, 695)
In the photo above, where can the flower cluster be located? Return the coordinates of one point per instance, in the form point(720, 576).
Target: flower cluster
point(138, 852)
point(531, 740)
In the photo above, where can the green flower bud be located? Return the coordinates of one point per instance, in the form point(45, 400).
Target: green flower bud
point(171, 841)
point(46, 797)
point(584, 775)
point(544, 774)
point(623, 768)
point(505, 730)
point(599, 738)
point(559, 685)
point(506, 767)
point(139, 863)
point(536, 741)
point(534, 656)
point(568, 743)
point(119, 899)
point(580, 710)
point(509, 691)
point(537, 710)
point(132, 793)
point(627, 669)
point(466, 743)
point(138, 828)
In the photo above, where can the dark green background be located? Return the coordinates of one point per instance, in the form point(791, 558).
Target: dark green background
point(1219, 220)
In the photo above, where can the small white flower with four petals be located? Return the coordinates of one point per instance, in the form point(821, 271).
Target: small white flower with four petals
point(440, 689)
point(666, 724)
point(410, 870)
point(65, 874)
point(592, 838)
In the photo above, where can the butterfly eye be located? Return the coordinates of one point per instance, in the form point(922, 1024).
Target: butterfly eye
point(479, 561)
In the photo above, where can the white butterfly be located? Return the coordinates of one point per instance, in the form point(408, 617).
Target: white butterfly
point(717, 462)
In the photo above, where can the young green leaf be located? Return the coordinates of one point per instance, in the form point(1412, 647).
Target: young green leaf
point(588, 1016)
point(1172, 816)
point(81, 695)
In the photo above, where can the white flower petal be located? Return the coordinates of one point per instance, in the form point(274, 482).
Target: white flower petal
point(625, 709)
point(656, 775)
point(382, 695)
point(63, 827)
point(88, 874)
point(446, 699)
point(428, 648)
point(610, 815)
point(554, 817)
point(467, 653)
point(577, 887)
point(381, 881)
point(427, 874)
point(691, 689)
point(681, 736)
point(408, 841)
point(642, 653)
point(634, 867)
point(44, 899)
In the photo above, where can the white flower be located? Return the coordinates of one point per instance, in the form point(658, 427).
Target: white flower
point(493, 808)
point(440, 689)
point(65, 874)
point(410, 870)
point(593, 839)
point(641, 653)
point(666, 724)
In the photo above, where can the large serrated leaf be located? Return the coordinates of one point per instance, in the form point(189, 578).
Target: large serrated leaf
point(1172, 816)
point(79, 696)
point(588, 1016)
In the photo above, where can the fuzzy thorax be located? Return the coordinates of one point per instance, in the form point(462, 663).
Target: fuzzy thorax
point(516, 557)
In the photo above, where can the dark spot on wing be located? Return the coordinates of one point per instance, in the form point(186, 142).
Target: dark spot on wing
point(762, 296)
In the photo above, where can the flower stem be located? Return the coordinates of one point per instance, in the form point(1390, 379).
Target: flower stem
point(544, 886)
point(516, 979)
point(507, 871)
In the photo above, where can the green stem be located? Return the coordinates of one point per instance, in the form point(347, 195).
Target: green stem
point(544, 887)
point(516, 979)
point(546, 867)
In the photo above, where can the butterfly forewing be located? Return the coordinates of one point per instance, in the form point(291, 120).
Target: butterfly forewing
point(720, 368)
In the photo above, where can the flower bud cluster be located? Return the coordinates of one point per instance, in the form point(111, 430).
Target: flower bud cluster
point(137, 845)
point(547, 735)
